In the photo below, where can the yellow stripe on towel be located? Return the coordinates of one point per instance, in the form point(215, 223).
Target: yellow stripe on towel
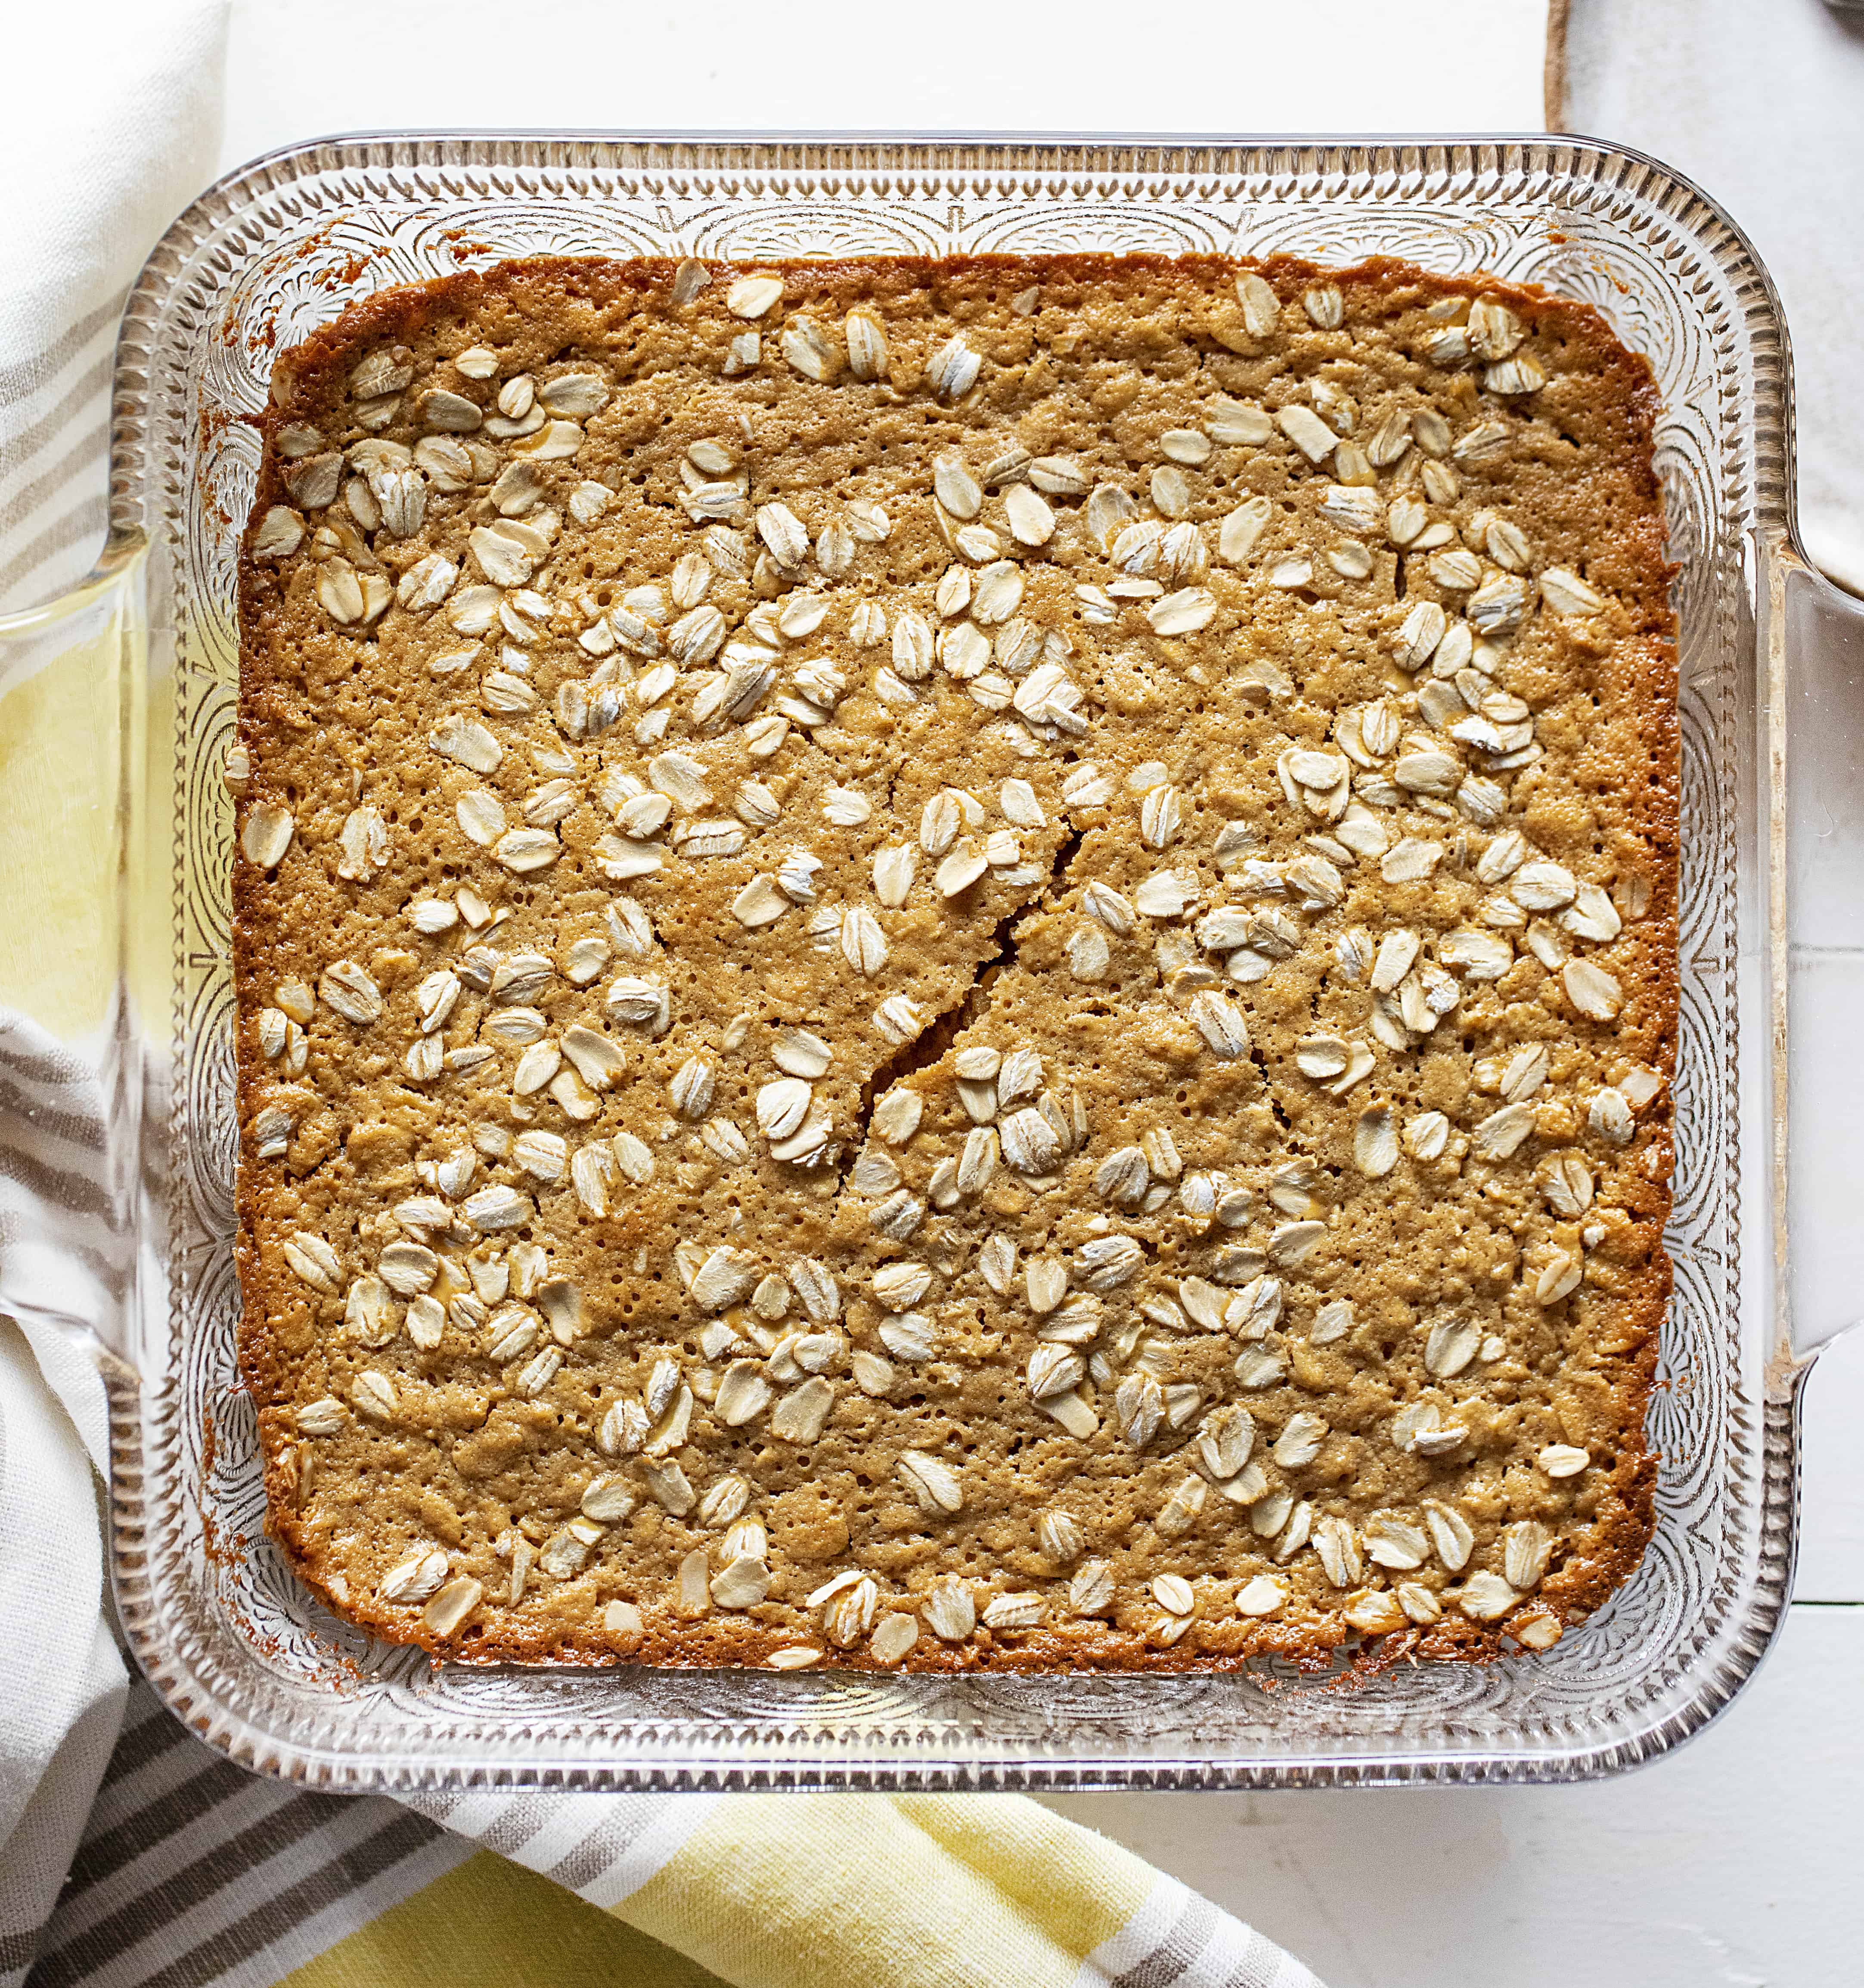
point(489, 1923)
point(808, 1891)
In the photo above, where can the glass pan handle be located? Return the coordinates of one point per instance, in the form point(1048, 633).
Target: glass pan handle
point(1817, 816)
point(72, 726)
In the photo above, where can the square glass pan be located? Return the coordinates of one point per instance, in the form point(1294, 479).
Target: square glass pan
point(241, 1652)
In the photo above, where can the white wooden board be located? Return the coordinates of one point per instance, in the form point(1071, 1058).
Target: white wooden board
point(1732, 1864)
point(743, 65)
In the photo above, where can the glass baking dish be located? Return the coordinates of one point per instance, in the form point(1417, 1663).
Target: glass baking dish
point(240, 1650)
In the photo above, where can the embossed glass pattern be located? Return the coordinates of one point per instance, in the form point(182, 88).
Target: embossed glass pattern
point(244, 1654)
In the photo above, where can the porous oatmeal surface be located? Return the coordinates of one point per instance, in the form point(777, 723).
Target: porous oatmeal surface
point(963, 965)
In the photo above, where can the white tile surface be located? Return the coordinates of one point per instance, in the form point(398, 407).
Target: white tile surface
point(1733, 1863)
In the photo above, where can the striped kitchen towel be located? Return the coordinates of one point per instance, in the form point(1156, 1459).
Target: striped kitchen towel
point(192, 1871)
point(120, 134)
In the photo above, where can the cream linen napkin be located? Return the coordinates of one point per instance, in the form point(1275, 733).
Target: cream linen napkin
point(108, 134)
point(189, 1870)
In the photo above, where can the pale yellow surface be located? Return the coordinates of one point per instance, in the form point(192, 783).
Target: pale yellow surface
point(490, 1924)
point(58, 731)
point(947, 1891)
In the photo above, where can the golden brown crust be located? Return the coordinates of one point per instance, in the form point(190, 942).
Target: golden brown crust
point(1576, 478)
